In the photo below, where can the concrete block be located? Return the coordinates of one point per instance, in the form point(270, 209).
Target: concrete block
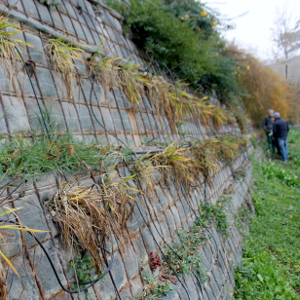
point(118, 271)
point(71, 117)
point(126, 121)
point(162, 199)
point(85, 118)
point(32, 216)
point(69, 7)
point(31, 9)
point(148, 240)
point(181, 212)
point(16, 114)
point(105, 288)
point(43, 268)
point(117, 120)
point(79, 30)
point(176, 217)
point(107, 118)
point(25, 289)
point(170, 221)
point(44, 13)
point(68, 25)
point(57, 19)
point(37, 54)
point(131, 261)
point(139, 248)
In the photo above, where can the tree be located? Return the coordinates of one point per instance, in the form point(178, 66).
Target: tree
point(286, 35)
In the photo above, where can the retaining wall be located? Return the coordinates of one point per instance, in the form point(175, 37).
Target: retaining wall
point(170, 210)
point(90, 22)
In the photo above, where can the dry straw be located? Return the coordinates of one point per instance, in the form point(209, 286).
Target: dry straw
point(9, 56)
point(65, 56)
point(89, 215)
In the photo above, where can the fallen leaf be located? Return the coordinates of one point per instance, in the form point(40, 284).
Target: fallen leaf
point(71, 149)
point(15, 153)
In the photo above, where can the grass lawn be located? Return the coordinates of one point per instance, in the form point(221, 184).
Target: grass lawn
point(271, 263)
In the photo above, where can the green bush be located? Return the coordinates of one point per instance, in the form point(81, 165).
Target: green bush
point(183, 36)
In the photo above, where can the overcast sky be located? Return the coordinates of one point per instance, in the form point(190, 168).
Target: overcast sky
point(254, 29)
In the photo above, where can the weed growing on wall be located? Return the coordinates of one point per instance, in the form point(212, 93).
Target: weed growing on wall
point(84, 270)
point(90, 215)
point(8, 47)
point(154, 288)
point(215, 214)
point(64, 55)
point(186, 258)
point(28, 159)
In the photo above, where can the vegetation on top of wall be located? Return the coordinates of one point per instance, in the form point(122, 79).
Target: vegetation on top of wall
point(183, 36)
point(169, 99)
point(29, 159)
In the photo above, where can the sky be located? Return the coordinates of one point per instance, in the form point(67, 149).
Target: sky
point(254, 30)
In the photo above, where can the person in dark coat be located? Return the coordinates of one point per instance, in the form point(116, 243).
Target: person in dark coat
point(275, 141)
point(267, 126)
point(280, 132)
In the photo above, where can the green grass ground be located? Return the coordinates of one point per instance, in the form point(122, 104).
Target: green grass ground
point(271, 263)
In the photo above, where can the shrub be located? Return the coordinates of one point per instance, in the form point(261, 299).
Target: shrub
point(182, 35)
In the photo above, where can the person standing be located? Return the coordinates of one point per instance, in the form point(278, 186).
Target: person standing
point(267, 126)
point(275, 141)
point(280, 132)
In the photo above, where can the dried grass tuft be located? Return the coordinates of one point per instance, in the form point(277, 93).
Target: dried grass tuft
point(3, 285)
point(90, 215)
point(9, 57)
point(63, 55)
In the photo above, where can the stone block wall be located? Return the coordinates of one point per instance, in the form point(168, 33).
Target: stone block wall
point(170, 210)
point(91, 22)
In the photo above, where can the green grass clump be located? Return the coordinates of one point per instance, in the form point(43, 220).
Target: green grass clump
point(187, 258)
point(216, 214)
point(271, 264)
point(28, 159)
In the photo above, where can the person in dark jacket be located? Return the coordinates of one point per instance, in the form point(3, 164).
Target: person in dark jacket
point(275, 141)
point(267, 126)
point(280, 132)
